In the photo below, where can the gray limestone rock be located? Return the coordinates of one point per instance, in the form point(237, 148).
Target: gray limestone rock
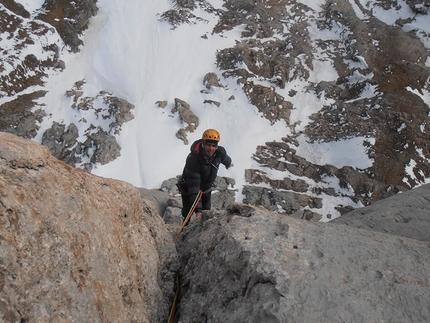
point(406, 214)
point(280, 200)
point(158, 197)
point(62, 143)
point(169, 203)
point(250, 265)
point(173, 215)
point(106, 148)
point(188, 119)
point(211, 80)
point(75, 16)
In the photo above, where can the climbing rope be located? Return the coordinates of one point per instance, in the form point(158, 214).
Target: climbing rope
point(193, 207)
point(173, 309)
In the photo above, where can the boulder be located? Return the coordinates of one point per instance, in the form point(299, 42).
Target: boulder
point(249, 265)
point(77, 247)
point(188, 119)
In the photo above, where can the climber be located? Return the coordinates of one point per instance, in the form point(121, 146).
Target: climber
point(200, 171)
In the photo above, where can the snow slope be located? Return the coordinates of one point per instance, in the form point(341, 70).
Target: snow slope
point(131, 53)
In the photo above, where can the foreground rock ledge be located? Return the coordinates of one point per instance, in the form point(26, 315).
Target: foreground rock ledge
point(250, 265)
point(76, 247)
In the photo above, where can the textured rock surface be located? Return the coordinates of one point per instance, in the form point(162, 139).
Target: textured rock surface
point(70, 18)
point(407, 214)
point(76, 247)
point(249, 265)
point(169, 203)
point(189, 120)
point(79, 248)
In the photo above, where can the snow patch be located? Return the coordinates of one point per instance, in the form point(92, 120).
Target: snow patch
point(31, 5)
point(351, 152)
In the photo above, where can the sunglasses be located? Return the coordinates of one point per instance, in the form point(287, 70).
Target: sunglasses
point(211, 145)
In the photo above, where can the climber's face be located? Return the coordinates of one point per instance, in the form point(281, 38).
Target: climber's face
point(210, 149)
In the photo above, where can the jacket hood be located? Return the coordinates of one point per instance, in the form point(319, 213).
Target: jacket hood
point(196, 146)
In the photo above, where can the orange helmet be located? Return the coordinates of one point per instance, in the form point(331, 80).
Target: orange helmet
point(211, 134)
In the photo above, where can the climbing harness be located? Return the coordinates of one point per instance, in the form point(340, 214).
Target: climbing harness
point(193, 207)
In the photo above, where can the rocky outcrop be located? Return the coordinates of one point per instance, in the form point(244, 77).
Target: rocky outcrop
point(394, 115)
point(250, 265)
point(188, 119)
point(77, 247)
point(183, 111)
point(102, 116)
point(62, 142)
point(21, 84)
point(169, 203)
point(70, 18)
point(100, 146)
point(212, 80)
point(21, 76)
point(307, 191)
point(406, 214)
point(22, 116)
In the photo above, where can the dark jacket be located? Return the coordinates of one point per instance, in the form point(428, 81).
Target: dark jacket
point(200, 171)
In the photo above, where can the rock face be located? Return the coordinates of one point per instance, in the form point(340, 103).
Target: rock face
point(76, 247)
point(169, 202)
point(99, 144)
point(22, 78)
point(407, 214)
point(250, 265)
point(70, 18)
